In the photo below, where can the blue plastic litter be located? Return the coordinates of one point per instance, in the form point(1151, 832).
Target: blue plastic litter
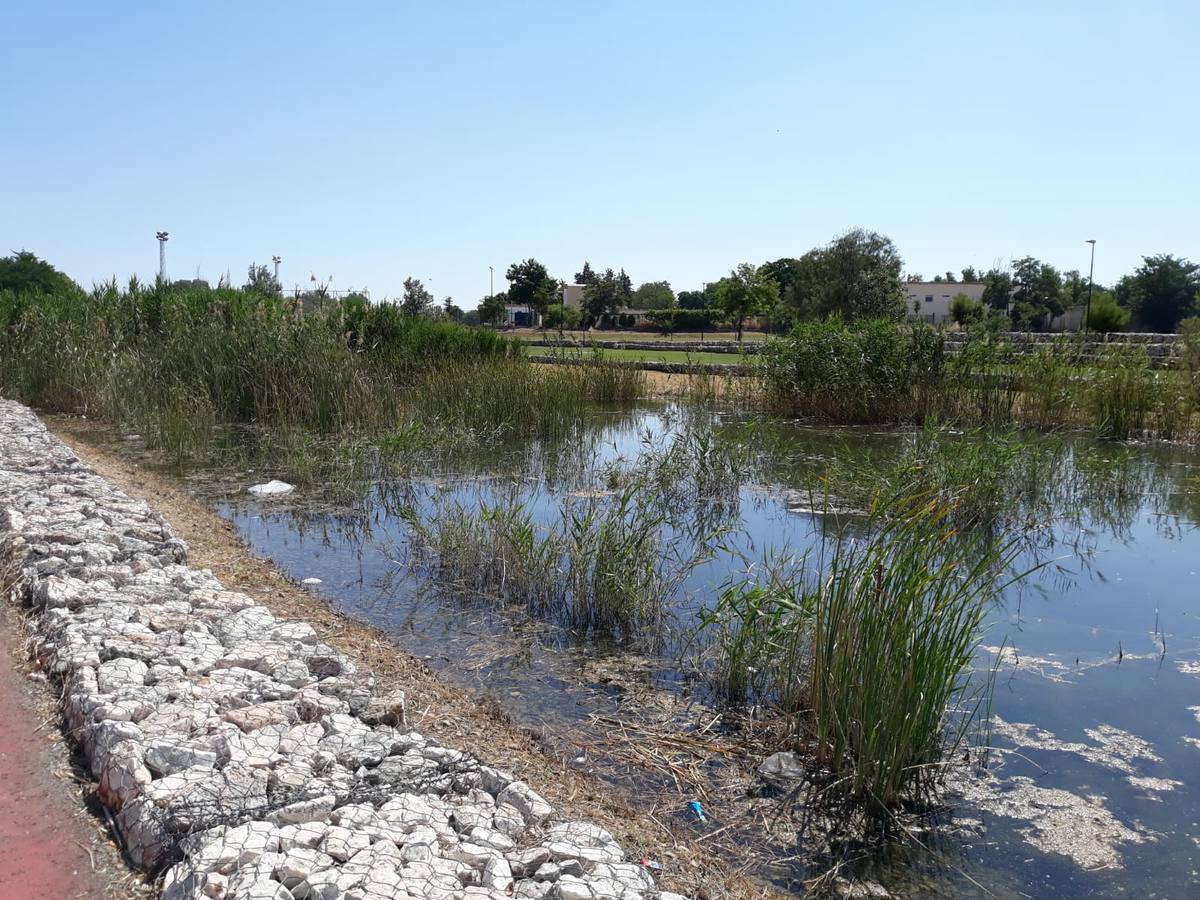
point(695, 807)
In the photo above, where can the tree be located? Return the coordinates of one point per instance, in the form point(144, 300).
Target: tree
point(586, 275)
point(997, 289)
point(491, 309)
point(969, 274)
point(787, 272)
point(1161, 291)
point(259, 280)
point(964, 310)
point(743, 293)
point(560, 317)
point(450, 311)
point(692, 300)
point(857, 275)
point(1037, 292)
point(602, 297)
point(1106, 314)
point(624, 288)
point(23, 271)
point(417, 300)
point(531, 285)
point(653, 295)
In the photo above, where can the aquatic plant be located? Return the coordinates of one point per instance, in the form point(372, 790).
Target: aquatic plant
point(866, 645)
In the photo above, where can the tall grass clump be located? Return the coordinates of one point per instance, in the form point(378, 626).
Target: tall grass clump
point(896, 620)
point(1122, 392)
point(609, 559)
point(871, 371)
point(866, 646)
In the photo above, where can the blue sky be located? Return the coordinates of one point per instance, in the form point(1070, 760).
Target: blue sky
point(372, 141)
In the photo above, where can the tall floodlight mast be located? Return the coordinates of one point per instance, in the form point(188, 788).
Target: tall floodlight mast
point(162, 254)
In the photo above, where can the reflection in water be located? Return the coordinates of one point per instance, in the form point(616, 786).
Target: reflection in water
point(1102, 640)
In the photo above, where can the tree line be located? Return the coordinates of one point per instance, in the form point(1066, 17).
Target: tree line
point(857, 275)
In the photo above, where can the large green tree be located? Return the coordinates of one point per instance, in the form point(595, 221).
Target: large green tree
point(417, 298)
point(857, 276)
point(1161, 292)
point(603, 296)
point(1037, 292)
point(585, 275)
point(23, 271)
point(653, 295)
point(696, 299)
point(745, 292)
point(531, 285)
point(997, 289)
point(787, 272)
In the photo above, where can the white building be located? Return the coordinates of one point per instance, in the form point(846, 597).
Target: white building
point(572, 295)
point(929, 301)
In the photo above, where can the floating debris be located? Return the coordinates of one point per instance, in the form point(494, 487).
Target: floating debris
point(1154, 786)
point(1113, 748)
point(1057, 821)
point(311, 581)
point(271, 488)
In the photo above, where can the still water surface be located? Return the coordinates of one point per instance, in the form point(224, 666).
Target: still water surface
point(1094, 790)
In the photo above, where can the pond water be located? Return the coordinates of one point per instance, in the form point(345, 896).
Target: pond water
point(1093, 787)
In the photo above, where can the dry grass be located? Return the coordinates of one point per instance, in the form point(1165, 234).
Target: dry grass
point(440, 710)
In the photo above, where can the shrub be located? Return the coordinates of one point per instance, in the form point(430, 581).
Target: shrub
point(965, 311)
point(1105, 315)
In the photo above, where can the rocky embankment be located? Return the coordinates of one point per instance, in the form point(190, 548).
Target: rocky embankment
point(237, 753)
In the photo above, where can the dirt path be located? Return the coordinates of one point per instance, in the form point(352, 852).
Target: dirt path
point(51, 848)
point(439, 710)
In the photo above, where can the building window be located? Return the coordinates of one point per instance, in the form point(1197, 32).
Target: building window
point(929, 298)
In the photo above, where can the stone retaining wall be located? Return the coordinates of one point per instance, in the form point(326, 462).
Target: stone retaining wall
point(749, 347)
point(236, 752)
point(653, 365)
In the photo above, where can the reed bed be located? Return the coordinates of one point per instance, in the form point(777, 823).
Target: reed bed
point(879, 372)
point(171, 364)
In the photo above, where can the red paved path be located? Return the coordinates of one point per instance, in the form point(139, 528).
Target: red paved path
point(39, 825)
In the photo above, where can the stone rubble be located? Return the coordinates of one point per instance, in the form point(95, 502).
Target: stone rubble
point(237, 753)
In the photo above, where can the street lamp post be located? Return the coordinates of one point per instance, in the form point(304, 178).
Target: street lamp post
point(1091, 268)
point(277, 260)
point(491, 282)
point(162, 254)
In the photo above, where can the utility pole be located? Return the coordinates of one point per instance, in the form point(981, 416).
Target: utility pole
point(491, 282)
point(277, 260)
point(1091, 268)
point(162, 254)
